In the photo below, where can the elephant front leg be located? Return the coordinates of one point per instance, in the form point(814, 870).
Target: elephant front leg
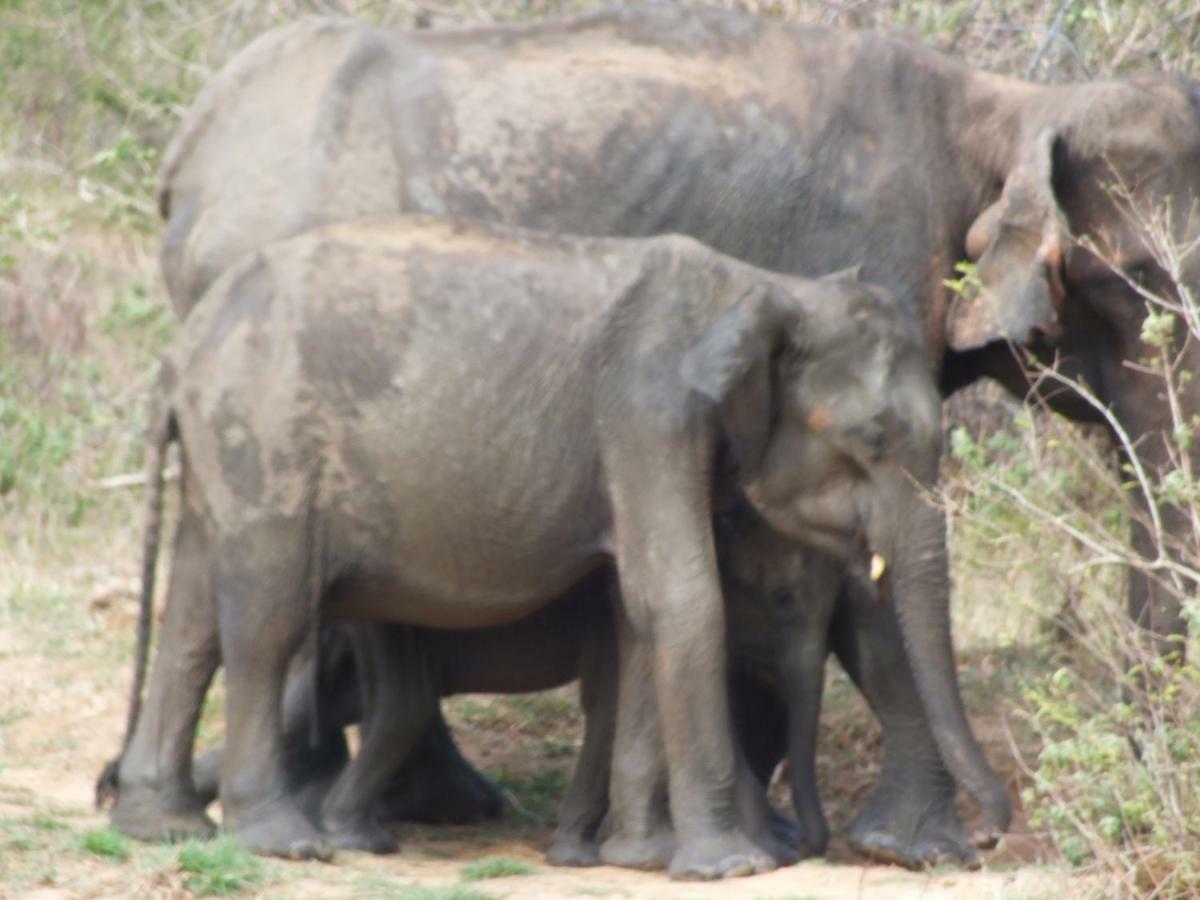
point(640, 832)
point(671, 594)
point(156, 798)
point(803, 673)
point(586, 802)
point(909, 818)
point(264, 606)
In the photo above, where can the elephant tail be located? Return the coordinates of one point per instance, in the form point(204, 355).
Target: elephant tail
point(159, 434)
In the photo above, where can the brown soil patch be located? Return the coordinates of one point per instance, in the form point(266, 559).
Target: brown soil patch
point(61, 718)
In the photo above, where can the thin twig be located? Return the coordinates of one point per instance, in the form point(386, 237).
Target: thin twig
point(1055, 27)
point(963, 24)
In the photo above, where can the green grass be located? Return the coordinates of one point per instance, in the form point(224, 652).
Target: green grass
point(540, 713)
point(496, 867)
point(16, 836)
point(42, 822)
point(106, 843)
point(220, 868)
point(535, 796)
point(379, 888)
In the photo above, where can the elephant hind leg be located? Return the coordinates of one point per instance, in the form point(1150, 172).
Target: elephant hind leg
point(263, 585)
point(312, 765)
point(156, 799)
point(399, 701)
point(438, 786)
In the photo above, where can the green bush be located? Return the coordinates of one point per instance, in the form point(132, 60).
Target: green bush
point(1115, 778)
point(1117, 783)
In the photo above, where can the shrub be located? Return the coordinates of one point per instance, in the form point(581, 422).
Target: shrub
point(1116, 781)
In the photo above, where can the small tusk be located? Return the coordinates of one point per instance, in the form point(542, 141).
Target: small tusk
point(878, 566)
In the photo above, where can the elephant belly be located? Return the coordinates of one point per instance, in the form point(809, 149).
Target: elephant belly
point(450, 596)
point(539, 652)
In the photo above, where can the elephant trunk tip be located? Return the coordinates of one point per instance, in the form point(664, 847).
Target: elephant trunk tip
point(997, 816)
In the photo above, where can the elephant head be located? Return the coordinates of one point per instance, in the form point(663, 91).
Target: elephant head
point(1093, 161)
point(829, 409)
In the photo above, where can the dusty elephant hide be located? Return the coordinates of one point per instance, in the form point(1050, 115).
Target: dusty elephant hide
point(798, 149)
point(363, 414)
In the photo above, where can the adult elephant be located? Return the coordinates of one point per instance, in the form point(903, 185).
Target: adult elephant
point(401, 471)
point(798, 149)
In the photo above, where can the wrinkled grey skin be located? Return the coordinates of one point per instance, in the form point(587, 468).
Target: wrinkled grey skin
point(363, 414)
point(797, 149)
point(774, 632)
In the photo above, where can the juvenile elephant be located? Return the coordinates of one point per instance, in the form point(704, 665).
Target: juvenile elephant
point(449, 426)
point(797, 149)
point(777, 617)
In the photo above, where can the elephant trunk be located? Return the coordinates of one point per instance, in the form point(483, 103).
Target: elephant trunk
point(918, 569)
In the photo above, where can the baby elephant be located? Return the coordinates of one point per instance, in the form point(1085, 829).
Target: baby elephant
point(777, 614)
point(450, 425)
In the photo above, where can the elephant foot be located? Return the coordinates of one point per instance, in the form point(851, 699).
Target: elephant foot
point(810, 833)
point(784, 829)
point(782, 839)
point(455, 794)
point(912, 830)
point(311, 771)
point(726, 855)
point(206, 775)
point(279, 829)
point(781, 847)
point(148, 814)
point(774, 832)
point(648, 853)
point(368, 837)
point(573, 850)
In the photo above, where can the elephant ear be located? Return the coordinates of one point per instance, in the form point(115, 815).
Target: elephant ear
point(1017, 244)
point(730, 366)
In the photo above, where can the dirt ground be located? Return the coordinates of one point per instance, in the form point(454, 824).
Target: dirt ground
point(64, 671)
